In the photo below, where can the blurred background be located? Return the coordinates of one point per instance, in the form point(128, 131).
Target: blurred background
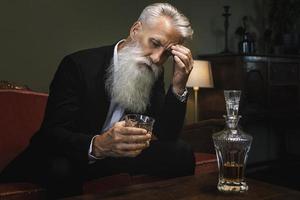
point(36, 34)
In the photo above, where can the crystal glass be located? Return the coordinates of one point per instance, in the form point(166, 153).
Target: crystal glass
point(232, 99)
point(139, 121)
point(232, 146)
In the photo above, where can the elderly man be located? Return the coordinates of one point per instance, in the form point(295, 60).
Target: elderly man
point(83, 135)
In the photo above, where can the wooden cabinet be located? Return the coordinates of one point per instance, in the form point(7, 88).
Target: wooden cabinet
point(270, 84)
point(270, 104)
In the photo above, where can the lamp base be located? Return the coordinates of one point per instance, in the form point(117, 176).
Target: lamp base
point(196, 103)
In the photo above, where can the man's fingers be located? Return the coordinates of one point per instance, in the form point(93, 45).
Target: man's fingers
point(179, 61)
point(130, 135)
point(135, 138)
point(133, 131)
point(182, 64)
point(131, 147)
point(121, 153)
point(119, 128)
point(184, 50)
point(184, 56)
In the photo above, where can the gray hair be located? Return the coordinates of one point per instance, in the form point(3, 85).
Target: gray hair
point(181, 22)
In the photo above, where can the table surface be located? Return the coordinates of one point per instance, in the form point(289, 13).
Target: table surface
point(194, 187)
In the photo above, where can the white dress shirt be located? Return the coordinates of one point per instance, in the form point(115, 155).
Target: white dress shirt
point(115, 111)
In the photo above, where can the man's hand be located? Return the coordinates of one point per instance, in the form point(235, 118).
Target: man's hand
point(183, 65)
point(121, 141)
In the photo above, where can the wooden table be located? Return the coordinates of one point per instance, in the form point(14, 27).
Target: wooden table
point(194, 187)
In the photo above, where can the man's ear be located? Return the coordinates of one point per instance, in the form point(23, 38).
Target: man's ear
point(135, 30)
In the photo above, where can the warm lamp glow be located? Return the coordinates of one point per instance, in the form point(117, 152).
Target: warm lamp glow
point(201, 76)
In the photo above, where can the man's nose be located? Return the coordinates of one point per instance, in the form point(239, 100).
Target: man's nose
point(156, 56)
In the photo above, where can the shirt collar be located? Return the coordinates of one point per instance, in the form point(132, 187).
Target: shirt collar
point(116, 52)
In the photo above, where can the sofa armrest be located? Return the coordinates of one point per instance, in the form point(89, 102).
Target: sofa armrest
point(205, 163)
point(199, 135)
point(18, 191)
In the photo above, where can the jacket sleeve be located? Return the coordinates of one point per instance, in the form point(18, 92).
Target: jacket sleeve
point(59, 133)
point(169, 113)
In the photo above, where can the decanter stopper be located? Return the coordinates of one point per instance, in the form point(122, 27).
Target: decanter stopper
point(232, 99)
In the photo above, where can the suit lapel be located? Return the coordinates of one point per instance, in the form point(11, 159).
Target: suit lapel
point(101, 95)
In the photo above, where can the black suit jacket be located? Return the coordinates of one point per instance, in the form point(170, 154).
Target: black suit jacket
point(78, 104)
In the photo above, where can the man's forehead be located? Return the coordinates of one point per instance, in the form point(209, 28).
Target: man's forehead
point(164, 30)
point(165, 42)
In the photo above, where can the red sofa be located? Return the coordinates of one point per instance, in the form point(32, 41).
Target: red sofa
point(21, 115)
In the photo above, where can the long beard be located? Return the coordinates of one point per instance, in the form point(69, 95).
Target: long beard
point(130, 82)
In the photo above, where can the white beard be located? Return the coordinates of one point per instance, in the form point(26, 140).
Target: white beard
point(130, 82)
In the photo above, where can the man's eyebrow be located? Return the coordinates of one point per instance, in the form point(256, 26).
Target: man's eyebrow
point(160, 44)
point(169, 50)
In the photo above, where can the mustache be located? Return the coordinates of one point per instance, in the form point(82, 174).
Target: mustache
point(134, 53)
point(146, 61)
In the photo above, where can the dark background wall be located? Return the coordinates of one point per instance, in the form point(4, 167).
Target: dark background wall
point(36, 34)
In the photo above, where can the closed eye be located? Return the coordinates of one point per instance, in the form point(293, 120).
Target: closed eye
point(155, 43)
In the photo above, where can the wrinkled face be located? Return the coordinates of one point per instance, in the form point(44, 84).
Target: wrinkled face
point(140, 60)
point(156, 39)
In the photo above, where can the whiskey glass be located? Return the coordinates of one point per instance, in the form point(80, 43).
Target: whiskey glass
point(140, 121)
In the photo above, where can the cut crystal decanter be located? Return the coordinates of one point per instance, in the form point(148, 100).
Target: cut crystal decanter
point(232, 146)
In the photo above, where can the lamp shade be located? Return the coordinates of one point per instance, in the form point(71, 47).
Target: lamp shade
point(201, 75)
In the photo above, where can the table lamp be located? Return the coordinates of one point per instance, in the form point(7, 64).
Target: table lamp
point(201, 76)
